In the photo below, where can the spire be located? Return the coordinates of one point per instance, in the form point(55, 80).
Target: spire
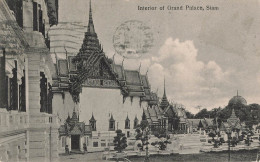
point(68, 118)
point(74, 117)
point(92, 118)
point(164, 93)
point(135, 118)
point(91, 43)
point(237, 92)
point(164, 103)
point(143, 116)
point(91, 28)
point(112, 119)
point(127, 117)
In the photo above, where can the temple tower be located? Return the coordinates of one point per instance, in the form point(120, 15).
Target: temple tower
point(90, 43)
point(164, 103)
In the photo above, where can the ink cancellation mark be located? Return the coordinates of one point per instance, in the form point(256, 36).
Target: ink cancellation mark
point(132, 39)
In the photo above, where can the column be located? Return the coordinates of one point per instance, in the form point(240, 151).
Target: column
point(81, 143)
point(3, 85)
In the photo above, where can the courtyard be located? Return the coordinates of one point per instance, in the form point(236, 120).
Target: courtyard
point(243, 155)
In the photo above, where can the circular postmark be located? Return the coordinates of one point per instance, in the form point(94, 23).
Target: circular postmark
point(132, 39)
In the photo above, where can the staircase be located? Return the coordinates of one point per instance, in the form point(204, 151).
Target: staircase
point(190, 144)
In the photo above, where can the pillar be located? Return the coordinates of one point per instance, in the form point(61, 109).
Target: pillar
point(81, 143)
point(68, 142)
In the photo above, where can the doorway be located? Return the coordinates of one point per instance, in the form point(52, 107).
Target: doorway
point(75, 142)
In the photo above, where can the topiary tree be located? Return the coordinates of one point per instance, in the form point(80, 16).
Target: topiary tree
point(120, 141)
point(248, 139)
point(216, 143)
point(162, 144)
point(141, 134)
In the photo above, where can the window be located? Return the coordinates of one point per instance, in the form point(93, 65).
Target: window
point(17, 7)
point(111, 125)
point(35, 16)
point(127, 124)
point(92, 122)
point(128, 134)
point(135, 122)
point(40, 21)
point(43, 92)
point(103, 144)
point(22, 94)
point(49, 99)
point(95, 144)
point(14, 89)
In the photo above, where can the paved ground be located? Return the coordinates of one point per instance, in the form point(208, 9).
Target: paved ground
point(89, 157)
point(238, 156)
point(205, 157)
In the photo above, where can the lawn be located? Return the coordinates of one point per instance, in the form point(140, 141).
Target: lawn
point(242, 155)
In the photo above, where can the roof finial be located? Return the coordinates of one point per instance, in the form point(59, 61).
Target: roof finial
point(90, 20)
point(164, 92)
point(90, 10)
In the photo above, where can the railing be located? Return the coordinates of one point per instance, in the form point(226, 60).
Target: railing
point(13, 120)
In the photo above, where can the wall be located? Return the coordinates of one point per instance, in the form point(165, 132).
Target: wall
point(102, 102)
point(63, 106)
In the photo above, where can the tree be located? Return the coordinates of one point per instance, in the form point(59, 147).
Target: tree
point(248, 139)
point(202, 114)
point(189, 115)
point(215, 142)
point(120, 141)
point(162, 144)
point(142, 134)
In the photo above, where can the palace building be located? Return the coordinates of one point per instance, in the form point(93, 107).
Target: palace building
point(28, 129)
point(106, 96)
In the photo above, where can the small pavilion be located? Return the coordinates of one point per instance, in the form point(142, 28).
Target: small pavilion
point(74, 134)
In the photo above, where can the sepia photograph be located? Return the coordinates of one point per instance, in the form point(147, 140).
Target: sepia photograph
point(129, 80)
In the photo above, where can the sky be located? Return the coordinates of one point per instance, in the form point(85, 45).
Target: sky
point(205, 56)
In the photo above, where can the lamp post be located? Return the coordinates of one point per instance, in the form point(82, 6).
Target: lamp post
point(228, 132)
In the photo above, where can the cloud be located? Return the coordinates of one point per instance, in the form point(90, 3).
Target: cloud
point(189, 81)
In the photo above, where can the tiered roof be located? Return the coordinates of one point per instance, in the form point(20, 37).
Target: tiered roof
point(90, 43)
point(233, 122)
point(88, 63)
point(154, 114)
